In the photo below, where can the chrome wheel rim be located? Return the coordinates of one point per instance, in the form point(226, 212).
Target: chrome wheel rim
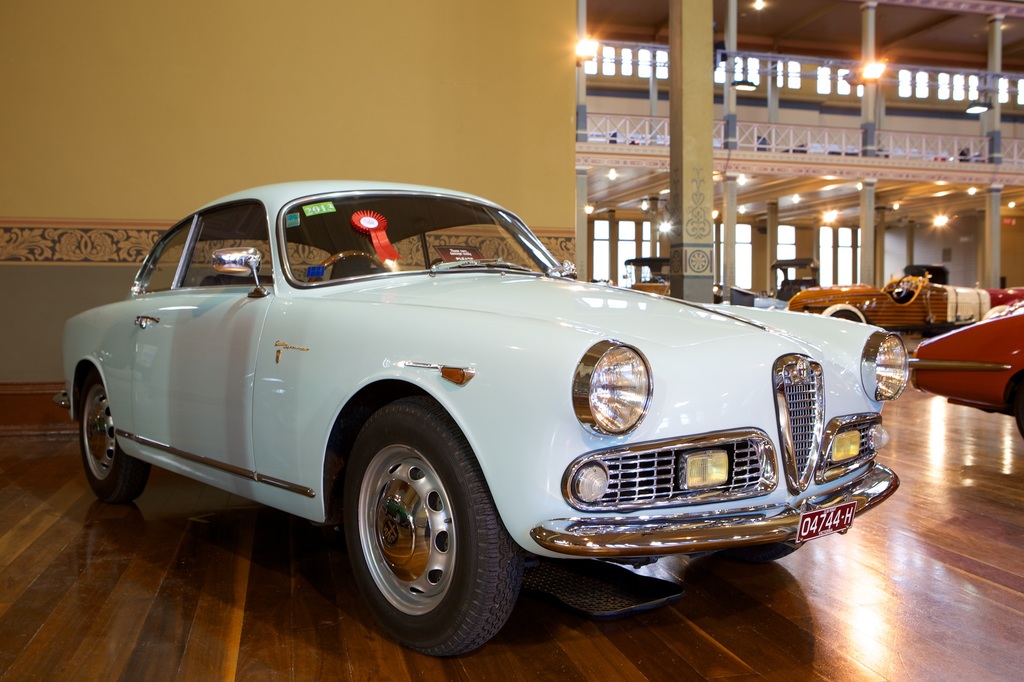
point(406, 529)
point(98, 433)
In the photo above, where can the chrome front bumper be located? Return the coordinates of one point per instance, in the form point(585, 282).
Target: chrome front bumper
point(685, 534)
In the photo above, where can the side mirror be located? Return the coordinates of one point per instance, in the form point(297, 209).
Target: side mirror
point(236, 261)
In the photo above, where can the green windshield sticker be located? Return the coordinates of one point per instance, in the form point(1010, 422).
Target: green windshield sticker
point(318, 209)
point(291, 220)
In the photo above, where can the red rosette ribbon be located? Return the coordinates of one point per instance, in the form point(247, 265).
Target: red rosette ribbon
point(375, 225)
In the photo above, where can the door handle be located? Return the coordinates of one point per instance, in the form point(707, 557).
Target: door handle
point(143, 321)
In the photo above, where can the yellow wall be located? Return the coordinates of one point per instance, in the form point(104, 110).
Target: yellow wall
point(119, 110)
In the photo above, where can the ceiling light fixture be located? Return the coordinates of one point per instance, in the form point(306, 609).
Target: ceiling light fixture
point(741, 179)
point(895, 205)
point(645, 205)
point(796, 198)
point(971, 191)
point(940, 221)
point(759, 5)
point(744, 86)
point(831, 216)
point(979, 106)
point(742, 210)
point(586, 49)
point(588, 209)
point(872, 71)
point(612, 174)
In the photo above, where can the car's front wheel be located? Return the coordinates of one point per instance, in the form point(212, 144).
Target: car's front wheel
point(428, 550)
point(113, 476)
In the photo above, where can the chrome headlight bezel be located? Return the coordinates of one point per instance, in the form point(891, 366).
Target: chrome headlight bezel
point(612, 388)
point(884, 367)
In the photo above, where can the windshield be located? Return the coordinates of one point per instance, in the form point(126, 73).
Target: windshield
point(354, 235)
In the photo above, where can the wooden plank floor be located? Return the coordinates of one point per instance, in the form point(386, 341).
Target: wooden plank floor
point(195, 584)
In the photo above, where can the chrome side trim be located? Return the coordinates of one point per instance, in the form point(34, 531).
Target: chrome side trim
point(956, 365)
point(460, 376)
point(684, 534)
point(221, 466)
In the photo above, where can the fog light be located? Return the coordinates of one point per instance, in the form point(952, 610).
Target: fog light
point(846, 446)
point(706, 469)
point(590, 482)
point(878, 437)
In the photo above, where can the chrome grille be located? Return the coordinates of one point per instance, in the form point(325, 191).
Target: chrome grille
point(649, 476)
point(637, 479)
point(802, 403)
point(863, 424)
point(800, 400)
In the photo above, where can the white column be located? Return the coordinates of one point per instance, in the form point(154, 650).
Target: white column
point(991, 269)
point(728, 228)
point(868, 274)
point(772, 244)
point(868, 125)
point(582, 233)
point(993, 117)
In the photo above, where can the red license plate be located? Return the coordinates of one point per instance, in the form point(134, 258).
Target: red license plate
point(826, 521)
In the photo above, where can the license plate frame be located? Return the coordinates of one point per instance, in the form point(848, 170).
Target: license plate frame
point(821, 522)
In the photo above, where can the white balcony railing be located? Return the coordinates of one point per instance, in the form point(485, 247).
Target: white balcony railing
point(645, 130)
point(820, 140)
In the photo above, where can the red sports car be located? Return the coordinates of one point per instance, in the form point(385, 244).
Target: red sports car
point(981, 366)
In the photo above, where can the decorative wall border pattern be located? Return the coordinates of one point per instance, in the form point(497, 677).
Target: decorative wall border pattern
point(65, 243)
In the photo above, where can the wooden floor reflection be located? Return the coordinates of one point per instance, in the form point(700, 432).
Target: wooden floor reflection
point(197, 584)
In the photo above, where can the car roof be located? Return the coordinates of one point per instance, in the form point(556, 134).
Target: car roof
point(276, 195)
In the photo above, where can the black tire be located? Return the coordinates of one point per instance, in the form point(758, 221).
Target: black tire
point(114, 477)
point(760, 554)
point(429, 553)
point(846, 315)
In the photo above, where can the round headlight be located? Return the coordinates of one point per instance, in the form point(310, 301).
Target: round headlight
point(884, 366)
point(612, 388)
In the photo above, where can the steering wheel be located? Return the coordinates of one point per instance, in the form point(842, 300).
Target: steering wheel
point(369, 265)
point(904, 290)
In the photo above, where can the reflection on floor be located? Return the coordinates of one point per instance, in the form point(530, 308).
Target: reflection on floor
point(194, 583)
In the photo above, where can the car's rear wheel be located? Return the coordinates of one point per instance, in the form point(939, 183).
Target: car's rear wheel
point(113, 476)
point(428, 550)
point(845, 315)
point(760, 554)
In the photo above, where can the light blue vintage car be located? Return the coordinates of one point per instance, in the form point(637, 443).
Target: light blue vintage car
point(412, 363)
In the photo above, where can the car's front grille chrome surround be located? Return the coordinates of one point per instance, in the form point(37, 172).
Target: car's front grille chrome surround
point(647, 475)
point(864, 424)
point(800, 405)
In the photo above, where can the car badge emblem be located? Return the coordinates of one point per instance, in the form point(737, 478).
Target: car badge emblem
point(799, 373)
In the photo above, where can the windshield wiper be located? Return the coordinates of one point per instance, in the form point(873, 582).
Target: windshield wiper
point(479, 263)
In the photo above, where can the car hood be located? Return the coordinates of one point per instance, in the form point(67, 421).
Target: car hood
point(591, 308)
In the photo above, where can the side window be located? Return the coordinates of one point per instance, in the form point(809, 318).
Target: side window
point(235, 226)
point(158, 270)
